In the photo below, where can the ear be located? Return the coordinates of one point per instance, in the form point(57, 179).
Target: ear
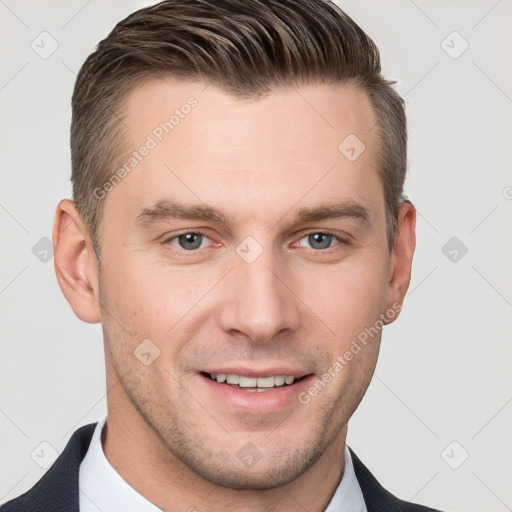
point(76, 263)
point(401, 258)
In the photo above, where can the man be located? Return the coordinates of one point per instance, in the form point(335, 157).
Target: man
point(238, 226)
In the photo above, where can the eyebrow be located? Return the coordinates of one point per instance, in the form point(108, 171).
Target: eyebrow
point(168, 210)
point(346, 209)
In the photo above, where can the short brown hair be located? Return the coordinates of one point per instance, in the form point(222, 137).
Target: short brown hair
point(247, 48)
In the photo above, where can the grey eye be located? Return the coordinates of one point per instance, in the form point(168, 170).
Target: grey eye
point(319, 240)
point(190, 241)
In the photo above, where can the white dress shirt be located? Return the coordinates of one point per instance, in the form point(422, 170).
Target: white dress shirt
point(102, 489)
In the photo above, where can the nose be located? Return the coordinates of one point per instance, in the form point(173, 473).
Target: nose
point(259, 303)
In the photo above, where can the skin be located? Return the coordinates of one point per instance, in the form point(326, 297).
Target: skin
point(258, 162)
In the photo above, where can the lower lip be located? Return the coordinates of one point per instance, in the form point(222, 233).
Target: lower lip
point(271, 400)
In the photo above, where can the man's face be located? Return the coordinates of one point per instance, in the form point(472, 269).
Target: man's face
point(255, 292)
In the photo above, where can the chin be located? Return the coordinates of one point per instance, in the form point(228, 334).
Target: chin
point(259, 472)
point(268, 478)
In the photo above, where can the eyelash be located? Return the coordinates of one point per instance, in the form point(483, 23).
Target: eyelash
point(340, 241)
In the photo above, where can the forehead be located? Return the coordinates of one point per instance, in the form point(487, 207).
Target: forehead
point(313, 142)
point(311, 112)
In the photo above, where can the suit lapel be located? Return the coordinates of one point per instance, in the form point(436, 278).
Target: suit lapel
point(377, 499)
point(58, 488)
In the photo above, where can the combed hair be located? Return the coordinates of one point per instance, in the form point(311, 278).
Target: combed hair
point(247, 48)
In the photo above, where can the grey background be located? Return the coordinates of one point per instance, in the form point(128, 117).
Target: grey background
point(444, 372)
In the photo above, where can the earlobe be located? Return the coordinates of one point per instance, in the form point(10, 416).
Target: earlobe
point(76, 263)
point(401, 257)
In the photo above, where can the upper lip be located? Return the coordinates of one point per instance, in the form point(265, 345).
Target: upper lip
point(263, 372)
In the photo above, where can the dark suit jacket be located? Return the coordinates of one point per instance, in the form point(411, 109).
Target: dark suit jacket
point(57, 491)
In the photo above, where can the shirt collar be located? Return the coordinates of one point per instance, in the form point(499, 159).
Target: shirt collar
point(102, 488)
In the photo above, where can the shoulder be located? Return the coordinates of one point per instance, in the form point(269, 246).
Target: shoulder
point(376, 497)
point(57, 490)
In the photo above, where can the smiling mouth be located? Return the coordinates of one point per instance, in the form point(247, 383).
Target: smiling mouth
point(254, 384)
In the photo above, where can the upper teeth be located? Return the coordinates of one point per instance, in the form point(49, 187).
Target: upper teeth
point(252, 382)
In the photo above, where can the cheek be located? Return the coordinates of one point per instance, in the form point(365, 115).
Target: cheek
point(348, 298)
point(352, 305)
point(137, 283)
point(155, 300)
